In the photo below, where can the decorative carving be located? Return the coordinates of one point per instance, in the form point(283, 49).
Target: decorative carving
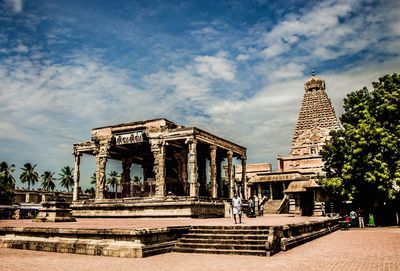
point(126, 176)
point(244, 179)
point(158, 150)
point(230, 174)
point(193, 167)
point(213, 171)
point(100, 176)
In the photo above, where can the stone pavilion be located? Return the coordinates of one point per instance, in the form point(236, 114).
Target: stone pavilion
point(182, 169)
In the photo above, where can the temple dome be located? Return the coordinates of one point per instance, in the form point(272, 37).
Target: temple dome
point(314, 82)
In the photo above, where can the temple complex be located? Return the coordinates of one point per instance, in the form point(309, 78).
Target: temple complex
point(180, 164)
point(296, 173)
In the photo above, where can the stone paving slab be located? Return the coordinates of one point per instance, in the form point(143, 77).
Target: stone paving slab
point(356, 249)
point(128, 223)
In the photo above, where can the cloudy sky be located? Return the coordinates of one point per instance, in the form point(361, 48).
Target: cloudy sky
point(234, 68)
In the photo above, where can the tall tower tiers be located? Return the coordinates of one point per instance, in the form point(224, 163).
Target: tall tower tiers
point(316, 119)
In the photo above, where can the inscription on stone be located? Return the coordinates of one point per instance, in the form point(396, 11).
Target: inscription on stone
point(129, 138)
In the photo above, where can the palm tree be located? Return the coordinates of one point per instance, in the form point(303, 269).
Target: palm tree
point(29, 175)
point(93, 178)
point(66, 178)
point(6, 176)
point(48, 181)
point(114, 179)
point(137, 179)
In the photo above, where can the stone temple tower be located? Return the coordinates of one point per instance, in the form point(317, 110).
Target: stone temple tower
point(316, 119)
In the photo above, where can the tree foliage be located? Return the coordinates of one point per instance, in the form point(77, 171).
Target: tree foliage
point(29, 175)
point(113, 180)
point(362, 161)
point(48, 181)
point(7, 182)
point(66, 177)
point(93, 178)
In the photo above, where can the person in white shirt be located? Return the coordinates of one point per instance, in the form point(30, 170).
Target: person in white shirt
point(237, 208)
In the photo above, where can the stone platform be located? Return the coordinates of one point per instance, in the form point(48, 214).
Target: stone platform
point(137, 238)
point(150, 207)
point(54, 211)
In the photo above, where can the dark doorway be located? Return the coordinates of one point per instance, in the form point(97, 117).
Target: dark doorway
point(307, 203)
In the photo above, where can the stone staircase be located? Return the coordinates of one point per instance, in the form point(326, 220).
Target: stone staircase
point(272, 206)
point(239, 240)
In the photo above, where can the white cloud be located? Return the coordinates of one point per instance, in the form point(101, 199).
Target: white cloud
point(275, 49)
point(314, 30)
point(215, 67)
point(15, 5)
point(21, 48)
point(289, 71)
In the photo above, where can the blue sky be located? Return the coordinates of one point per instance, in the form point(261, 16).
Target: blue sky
point(233, 68)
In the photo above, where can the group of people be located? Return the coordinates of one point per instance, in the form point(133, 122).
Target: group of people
point(237, 208)
point(355, 219)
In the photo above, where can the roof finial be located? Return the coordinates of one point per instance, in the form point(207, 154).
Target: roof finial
point(313, 72)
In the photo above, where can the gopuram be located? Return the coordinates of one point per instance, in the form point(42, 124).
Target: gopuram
point(181, 170)
point(294, 182)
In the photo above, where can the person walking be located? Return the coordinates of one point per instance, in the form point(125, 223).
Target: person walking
point(360, 215)
point(261, 210)
point(237, 207)
point(251, 206)
point(353, 218)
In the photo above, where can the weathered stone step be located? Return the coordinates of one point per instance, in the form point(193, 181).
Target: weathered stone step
point(222, 241)
point(225, 236)
point(230, 231)
point(150, 250)
point(221, 251)
point(232, 227)
point(225, 246)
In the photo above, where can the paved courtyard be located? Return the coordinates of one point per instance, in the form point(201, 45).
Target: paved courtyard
point(137, 223)
point(356, 249)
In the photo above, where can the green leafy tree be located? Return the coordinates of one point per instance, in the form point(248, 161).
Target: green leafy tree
point(362, 161)
point(29, 175)
point(7, 183)
point(48, 181)
point(7, 171)
point(113, 180)
point(66, 177)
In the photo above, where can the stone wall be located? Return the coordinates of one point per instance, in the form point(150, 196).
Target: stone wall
point(101, 242)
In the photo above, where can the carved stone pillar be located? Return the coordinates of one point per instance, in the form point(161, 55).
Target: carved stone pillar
point(184, 173)
point(158, 150)
point(193, 168)
point(220, 185)
point(101, 162)
point(126, 177)
point(230, 174)
point(259, 192)
point(75, 195)
point(181, 160)
point(213, 171)
point(271, 192)
point(201, 172)
point(244, 178)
